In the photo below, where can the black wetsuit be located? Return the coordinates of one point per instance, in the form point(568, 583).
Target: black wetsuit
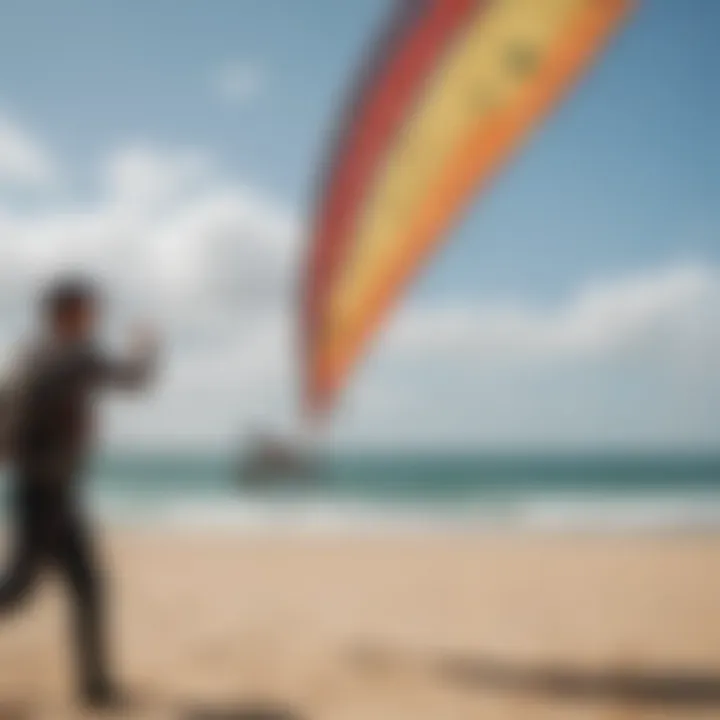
point(52, 431)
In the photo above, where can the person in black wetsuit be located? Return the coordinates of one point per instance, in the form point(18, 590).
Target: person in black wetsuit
point(47, 409)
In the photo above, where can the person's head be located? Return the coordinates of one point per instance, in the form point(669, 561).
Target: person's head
point(70, 308)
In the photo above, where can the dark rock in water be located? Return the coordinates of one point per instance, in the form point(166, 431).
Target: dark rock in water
point(270, 462)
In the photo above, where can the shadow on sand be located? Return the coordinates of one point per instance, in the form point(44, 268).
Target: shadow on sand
point(239, 711)
point(668, 688)
point(678, 687)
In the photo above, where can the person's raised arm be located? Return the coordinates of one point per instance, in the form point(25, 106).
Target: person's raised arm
point(133, 370)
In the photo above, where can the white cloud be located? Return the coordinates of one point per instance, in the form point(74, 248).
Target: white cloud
point(23, 160)
point(632, 360)
point(146, 177)
point(664, 310)
point(209, 259)
point(237, 81)
point(164, 219)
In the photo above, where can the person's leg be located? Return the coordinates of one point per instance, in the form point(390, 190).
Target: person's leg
point(19, 578)
point(75, 556)
point(26, 553)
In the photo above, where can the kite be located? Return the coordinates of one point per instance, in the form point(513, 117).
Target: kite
point(454, 89)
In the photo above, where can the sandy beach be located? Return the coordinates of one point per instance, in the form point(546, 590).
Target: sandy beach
point(211, 624)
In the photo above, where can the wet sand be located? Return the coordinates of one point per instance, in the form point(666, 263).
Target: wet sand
point(211, 624)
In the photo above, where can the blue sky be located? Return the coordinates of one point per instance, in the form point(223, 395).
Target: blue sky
point(622, 180)
point(626, 171)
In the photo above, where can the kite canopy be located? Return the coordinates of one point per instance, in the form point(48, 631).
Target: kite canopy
point(455, 87)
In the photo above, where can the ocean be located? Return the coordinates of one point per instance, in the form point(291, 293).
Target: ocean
point(539, 492)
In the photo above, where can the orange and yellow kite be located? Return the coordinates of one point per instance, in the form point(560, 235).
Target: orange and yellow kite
point(455, 87)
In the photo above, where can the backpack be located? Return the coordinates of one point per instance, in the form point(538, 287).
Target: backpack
point(13, 382)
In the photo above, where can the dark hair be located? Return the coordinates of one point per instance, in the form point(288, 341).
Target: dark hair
point(66, 295)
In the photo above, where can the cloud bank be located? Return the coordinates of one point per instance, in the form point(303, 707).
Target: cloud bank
point(622, 361)
point(23, 160)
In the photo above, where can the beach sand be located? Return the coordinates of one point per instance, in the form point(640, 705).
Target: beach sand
point(325, 626)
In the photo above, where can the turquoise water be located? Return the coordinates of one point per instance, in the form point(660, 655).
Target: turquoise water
point(600, 491)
